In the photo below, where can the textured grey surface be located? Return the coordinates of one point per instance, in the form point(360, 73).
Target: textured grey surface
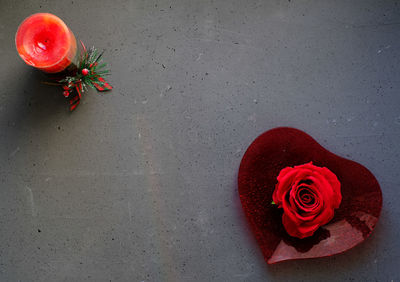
point(140, 184)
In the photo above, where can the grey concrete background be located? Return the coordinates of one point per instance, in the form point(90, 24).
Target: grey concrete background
point(140, 184)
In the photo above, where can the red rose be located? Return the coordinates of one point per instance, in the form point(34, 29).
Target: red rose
point(308, 195)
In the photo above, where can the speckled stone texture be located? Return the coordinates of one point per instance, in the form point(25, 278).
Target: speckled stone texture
point(140, 184)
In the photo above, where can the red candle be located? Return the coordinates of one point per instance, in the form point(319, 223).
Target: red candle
point(45, 42)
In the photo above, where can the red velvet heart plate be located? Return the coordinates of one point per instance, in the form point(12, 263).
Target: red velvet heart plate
point(353, 221)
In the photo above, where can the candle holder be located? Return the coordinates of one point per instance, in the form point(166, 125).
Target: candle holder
point(45, 42)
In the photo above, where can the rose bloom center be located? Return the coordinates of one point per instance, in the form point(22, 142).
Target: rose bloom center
point(306, 197)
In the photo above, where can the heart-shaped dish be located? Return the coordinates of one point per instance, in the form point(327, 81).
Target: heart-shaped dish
point(287, 147)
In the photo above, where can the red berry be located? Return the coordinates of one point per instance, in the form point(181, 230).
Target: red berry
point(85, 72)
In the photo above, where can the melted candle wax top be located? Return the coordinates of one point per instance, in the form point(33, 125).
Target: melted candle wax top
point(45, 42)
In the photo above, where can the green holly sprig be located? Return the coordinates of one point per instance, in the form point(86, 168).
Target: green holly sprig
point(90, 70)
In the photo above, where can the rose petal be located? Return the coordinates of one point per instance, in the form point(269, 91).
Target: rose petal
point(285, 179)
point(299, 231)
